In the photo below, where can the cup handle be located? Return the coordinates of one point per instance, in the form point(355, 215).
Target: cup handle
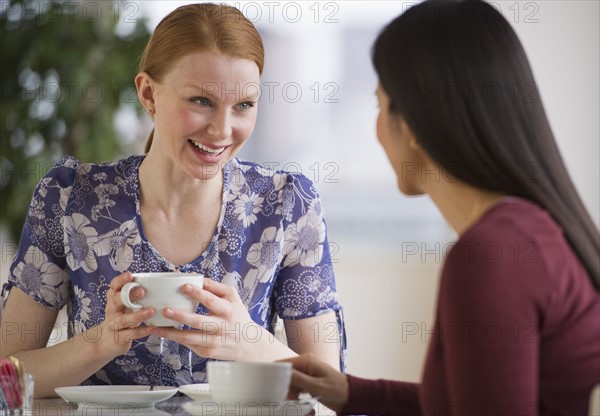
point(125, 296)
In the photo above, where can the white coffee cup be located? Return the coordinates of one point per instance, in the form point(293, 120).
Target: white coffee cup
point(162, 290)
point(242, 382)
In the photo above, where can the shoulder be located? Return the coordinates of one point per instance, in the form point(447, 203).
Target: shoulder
point(110, 169)
point(70, 179)
point(63, 171)
point(516, 216)
point(259, 176)
point(515, 252)
point(502, 234)
point(69, 168)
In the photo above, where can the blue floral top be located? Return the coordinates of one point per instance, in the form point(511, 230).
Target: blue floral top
point(83, 228)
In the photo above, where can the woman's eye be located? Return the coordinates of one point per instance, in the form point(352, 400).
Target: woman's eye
point(246, 106)
point(201, 101)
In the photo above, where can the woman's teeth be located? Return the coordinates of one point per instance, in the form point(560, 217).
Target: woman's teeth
point(207, 149)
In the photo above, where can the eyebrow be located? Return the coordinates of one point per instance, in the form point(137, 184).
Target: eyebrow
point(211, 92)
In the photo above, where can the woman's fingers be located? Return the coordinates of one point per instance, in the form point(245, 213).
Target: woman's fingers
point(207, 324)
point(305, 383)
point(227, 332)
point(127, 330)
point(309, 364)
point(119, 281)
point(113, 296)
point(193, 320)
point(121, 326)
point(216, 305)
point(134, 319)
point(319, 379)
point(141, 332)
point(136, 294)
point(219, 289)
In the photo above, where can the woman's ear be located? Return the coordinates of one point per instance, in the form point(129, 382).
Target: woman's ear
point(144, 85)
point(404, 129)
point(414, 144)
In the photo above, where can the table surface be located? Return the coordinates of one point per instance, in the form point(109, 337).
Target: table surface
point(172, 406)
point(58, 407)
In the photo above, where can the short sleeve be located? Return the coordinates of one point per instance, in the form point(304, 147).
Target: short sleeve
point(305, 285)
point(38, 268)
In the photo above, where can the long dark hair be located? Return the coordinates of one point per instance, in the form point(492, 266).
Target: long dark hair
point(457, 73)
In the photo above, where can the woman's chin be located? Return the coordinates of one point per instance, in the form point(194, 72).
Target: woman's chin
point(409, 189)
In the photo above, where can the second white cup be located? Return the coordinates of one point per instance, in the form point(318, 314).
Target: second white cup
point(248, 383)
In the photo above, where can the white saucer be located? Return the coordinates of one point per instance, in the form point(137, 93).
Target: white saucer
point(300, 407)
point(199, 391)
point(131, 397)
point(89, 409)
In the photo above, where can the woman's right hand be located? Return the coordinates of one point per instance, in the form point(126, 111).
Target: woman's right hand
point(311, 375)
point(121, 326)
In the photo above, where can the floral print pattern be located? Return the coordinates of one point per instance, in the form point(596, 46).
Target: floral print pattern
point(48, 281)
point(247, 207)
point(84, 228)
point(264, 255)
point(80, 240)
point(304, 240)
point(118, 245)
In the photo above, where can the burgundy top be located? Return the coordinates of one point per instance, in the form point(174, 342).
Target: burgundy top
point(517, 327)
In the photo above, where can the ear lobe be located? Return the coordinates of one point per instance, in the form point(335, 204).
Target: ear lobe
point(144, 85)
point(414, 144)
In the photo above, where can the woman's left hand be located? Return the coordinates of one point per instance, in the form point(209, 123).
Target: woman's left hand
point(227, 332)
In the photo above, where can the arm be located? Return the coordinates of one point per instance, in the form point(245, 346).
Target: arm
point(318, 336)
point(346, 394)
point(493, 364)
point(305, 291)
point(26, 326)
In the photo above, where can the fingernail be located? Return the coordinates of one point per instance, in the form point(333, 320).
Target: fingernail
point(168, 313)
point(187, 288)
point(148, 312)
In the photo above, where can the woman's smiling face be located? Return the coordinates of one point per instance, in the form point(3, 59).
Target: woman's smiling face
point(204, 111)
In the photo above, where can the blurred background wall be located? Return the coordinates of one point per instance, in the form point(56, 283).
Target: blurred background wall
point(316, 115)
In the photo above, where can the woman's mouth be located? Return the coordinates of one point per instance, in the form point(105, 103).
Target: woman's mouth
point(207, 150)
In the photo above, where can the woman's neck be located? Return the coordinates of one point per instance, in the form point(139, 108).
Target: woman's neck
point(164, 187)
point(462, 205)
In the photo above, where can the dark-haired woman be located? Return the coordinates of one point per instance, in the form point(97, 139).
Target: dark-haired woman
point(518, 314)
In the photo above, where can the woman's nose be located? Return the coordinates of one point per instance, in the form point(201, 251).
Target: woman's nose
point(219, 125)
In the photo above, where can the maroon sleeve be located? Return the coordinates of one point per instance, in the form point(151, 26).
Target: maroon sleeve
point(381, 397)
point(490, 305)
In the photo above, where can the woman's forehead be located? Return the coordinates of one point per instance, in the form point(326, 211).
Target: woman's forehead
point(213, 73)
point(215, 65)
